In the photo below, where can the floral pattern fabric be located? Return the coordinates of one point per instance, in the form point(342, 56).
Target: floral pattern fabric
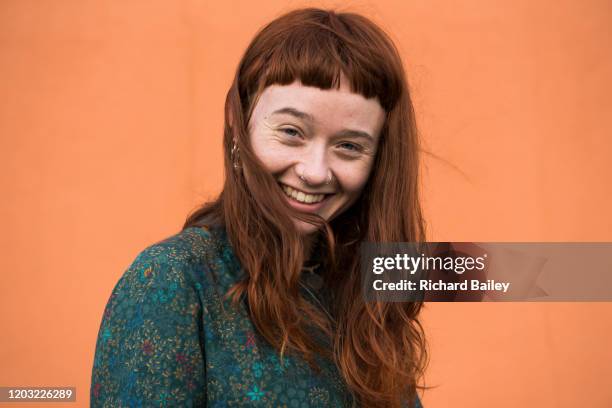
point(169, 338)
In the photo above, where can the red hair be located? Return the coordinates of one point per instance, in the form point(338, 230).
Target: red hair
point(378, 347)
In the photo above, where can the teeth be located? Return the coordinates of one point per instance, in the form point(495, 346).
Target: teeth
point(303, 197)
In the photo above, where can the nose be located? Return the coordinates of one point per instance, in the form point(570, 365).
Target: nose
point(313, 167)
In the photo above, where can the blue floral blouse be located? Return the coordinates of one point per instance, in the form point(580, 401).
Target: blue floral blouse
point(168, 338)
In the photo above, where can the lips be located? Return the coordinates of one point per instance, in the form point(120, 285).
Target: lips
point(302, 197)
point(297, 199)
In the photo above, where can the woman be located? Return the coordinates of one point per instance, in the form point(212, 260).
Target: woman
point(257, 302)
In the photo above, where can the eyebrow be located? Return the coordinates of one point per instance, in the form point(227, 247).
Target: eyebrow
point(306, 116)
point(294, 112)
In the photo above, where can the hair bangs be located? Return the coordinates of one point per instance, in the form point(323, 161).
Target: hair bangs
point(319, 55)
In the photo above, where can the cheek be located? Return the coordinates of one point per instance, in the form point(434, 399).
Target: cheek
point(354, 176)
point(273, 155)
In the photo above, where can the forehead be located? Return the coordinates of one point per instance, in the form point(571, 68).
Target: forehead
point(327, 107)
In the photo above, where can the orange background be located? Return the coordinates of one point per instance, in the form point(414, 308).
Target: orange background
point(110, 133)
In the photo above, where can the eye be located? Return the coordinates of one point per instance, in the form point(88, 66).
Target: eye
point(351, 147)
point(289, 131)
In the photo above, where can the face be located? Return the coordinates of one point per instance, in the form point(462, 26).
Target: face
point(319, 145)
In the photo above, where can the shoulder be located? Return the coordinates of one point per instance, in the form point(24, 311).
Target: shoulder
point(186, 248)
point(152, 326)
point(191, 259)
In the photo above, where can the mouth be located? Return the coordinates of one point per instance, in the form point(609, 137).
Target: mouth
point(303, 197)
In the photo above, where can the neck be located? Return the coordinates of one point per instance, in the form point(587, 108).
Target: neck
point(310, 242)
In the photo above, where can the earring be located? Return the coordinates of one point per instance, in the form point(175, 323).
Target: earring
point(235, 155)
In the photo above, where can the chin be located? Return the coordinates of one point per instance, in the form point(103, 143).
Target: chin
point(305, 228)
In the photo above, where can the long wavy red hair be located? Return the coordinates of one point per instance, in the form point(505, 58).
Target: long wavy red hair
point(378, 347)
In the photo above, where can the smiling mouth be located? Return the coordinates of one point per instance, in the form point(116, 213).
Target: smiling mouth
point(301, 196)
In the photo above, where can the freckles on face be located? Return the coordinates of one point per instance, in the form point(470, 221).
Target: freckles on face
point(319, 145)
point(352, 176)
point(267, 143)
